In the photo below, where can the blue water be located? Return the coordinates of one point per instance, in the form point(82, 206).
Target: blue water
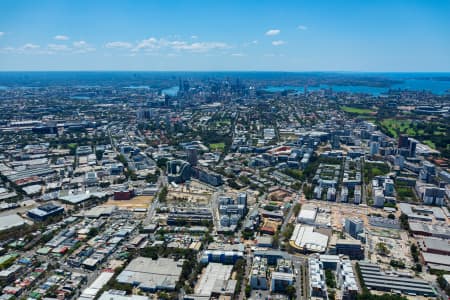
point(434, 86)
point(173, 91)
point(137, 87)
point(336, 88)
point(80, 97)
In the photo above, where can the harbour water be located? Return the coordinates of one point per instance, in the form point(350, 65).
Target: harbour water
point(438, 87)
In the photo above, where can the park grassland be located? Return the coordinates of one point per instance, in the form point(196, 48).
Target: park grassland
point(357, 110)
point(396, 127)
point(217, 146)
point(430, 133)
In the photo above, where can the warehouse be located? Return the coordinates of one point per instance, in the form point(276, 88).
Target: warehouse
point(152, 275)
point(434, 245)
point(120, 295)
point(307, 214)
point(90, 292)
point(374, 279)
point(436, 261)
point(215, 280)
point(434, 230)
point(304, 238)
point(11, 221)
point(43, 212)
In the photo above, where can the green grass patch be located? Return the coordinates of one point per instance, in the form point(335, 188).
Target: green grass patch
point(374, 169)
point(357, 110)
point(223, 122)
point(396, 127)
point(217, 146)
point(429, 143)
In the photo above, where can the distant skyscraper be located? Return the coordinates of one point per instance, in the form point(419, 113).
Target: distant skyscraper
point(374, 148)
point(192, 156)
point(353, 226)
point(403, 141)
point(412, 147)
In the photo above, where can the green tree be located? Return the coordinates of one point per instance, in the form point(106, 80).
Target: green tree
point(382, 249)
point(414, 252)
point(291, 292)
point(248, 291)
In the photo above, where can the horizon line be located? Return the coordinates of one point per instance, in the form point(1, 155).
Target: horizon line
point(222, 71)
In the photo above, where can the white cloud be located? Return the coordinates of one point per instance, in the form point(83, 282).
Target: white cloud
point(278, 43)
point(7, 50)
point(58, 47)
point(82, 47)
point(273, 32)
point(147, 44)
point(198, 46)
point(79, 44)
point(61, 37)
point(194, 37)
point(152, 44)
point(119, 45)
point(2, 33)
point(302, 27)
point(251, 43)
point(238, 54)
point(29, 46)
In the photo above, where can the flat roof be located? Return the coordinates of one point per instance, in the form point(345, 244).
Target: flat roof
point(152, 274)
point(304, 237)
point(91, 291)
point(108, 295)
point(436, 258)
point(213, 272)
point(375, 279)
point(308, 213)
point(11, 221)
point(436, 244)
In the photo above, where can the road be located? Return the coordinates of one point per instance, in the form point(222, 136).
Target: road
point(301, 276)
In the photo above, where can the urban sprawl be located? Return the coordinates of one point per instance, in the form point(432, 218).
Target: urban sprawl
point(218, 188)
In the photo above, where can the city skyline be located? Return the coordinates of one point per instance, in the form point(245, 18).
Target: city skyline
point(386, 36)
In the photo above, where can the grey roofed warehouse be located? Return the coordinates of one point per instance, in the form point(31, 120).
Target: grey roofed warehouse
point(152, 275)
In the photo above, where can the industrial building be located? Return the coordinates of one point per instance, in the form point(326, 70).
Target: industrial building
point(189, 215)
point(436, 261)
point(91, 291)
point(434, 245)
point(384, 222)
point(44, 212)
point(215, 281)
point(307, 214)
point(440, 231)
point(305, 239)
point(152, 275)
point(120, 295)
point(11, 221)
point(375, 279)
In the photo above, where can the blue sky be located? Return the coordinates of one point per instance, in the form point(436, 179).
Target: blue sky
point(286, 35)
